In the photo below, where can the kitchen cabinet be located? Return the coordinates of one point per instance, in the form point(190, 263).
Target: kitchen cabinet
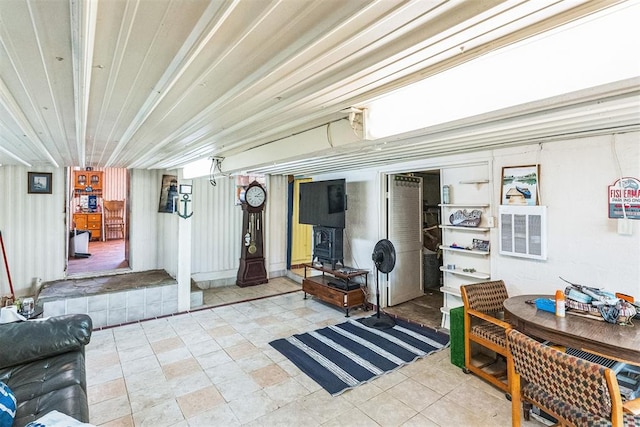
point(89, 221)
point(87, 181)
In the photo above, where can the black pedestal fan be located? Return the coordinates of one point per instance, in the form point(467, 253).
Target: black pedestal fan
point(384, 258)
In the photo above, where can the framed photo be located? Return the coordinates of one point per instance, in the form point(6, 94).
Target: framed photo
point(480, 245)
point(168, 194)
point(520, 185)
point(39, 183)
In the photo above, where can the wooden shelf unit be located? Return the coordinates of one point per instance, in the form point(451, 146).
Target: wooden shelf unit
point(469, 190)
point(319, 286)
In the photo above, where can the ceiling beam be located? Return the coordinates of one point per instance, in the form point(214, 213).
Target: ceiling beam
point(83, 31)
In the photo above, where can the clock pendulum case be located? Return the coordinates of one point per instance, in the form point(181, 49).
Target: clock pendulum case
point(252, 270)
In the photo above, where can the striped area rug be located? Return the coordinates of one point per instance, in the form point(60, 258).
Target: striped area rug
point(343, 356)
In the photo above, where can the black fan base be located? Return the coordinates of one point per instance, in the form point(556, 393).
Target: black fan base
point(379, 321)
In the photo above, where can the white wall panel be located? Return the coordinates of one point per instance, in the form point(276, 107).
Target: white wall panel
point(362, 222)
point(362, 217)
point(584, 246)
point(33, 229)
point(217, 227)
point(276, 223)
point(152, 234)
point(583, 243)
point(217, 224)
point(115, 184)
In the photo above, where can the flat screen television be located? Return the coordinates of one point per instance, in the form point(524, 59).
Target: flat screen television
point(323, 203)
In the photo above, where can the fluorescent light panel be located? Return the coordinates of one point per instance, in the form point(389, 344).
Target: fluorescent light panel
point(197, 168)
point(592, 51)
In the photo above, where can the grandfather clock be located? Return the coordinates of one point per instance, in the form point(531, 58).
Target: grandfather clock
point(252, 270)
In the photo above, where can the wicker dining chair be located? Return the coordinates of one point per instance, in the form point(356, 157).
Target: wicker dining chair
point(574, 391)
point(485, 325)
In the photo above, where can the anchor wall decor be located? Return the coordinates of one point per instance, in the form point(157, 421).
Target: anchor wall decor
point(185, 190)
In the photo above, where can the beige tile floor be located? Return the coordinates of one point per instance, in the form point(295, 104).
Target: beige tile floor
point(231, 294)
point(214, 367)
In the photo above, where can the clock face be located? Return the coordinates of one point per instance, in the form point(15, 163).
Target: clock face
point(255, 196)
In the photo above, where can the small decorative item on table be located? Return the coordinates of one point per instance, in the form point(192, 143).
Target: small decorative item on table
point(546, 304)
point(6, 301)
point(28, 306)
point(33, 314)
point(560, 303)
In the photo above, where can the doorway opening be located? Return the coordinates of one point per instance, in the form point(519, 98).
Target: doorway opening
point(422, 254)
point(299, 235)
point(97, 207)
point(466, 190)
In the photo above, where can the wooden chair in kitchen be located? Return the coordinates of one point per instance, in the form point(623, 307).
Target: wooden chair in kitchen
point(484, 325)
point(114, 218)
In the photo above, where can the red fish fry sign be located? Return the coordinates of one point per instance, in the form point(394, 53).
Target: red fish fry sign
point(624, 198)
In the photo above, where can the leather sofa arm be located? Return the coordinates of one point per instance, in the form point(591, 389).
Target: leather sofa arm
point(24, 342)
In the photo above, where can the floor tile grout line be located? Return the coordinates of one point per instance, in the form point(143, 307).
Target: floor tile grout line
point(164, 316)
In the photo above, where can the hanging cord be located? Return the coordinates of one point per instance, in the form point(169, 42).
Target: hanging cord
point(538, 174)
point(329, 139)
point(6, 265)
point(617, 159)
point(216, 166)
point(347, 241)
point(212, 178)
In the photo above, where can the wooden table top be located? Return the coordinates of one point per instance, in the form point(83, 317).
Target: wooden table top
point(610, 340)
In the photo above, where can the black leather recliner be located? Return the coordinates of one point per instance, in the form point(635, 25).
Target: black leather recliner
point(43, 363)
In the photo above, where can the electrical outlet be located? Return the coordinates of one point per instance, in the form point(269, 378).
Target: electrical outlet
point(625, 227)
point(491, 221)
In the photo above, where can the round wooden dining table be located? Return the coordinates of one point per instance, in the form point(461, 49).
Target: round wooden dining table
point(613, 341)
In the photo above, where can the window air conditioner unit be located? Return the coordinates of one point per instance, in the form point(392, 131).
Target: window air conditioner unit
point(523, 231)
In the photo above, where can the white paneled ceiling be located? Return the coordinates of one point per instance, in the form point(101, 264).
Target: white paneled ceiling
point(160, 83)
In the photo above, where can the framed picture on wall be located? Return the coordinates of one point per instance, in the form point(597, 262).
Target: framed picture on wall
point(39, 183)
point(520, 185)
point(168, 194)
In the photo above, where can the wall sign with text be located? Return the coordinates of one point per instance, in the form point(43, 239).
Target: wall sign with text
point(625, 193)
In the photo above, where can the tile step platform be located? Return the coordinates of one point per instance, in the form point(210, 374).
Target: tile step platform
point(115, 299)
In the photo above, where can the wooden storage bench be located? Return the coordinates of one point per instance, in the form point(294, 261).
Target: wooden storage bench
point(321, 286)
